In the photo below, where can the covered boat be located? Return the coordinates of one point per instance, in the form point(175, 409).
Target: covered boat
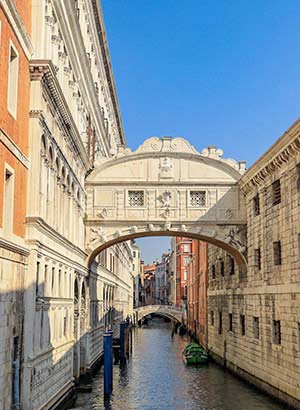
point(195, 354)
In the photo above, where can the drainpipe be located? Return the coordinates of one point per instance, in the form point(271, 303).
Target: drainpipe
point(16, 383)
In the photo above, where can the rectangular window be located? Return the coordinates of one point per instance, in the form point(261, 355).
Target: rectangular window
point(277, 253)
point(276, 332)
point(243, 325)
point(276, 191)
point(134, 254)
point(13, 68)
point(136, 198)
point(185, 275)
point(222, 269)
point(257, 258)
point(220, 327)
point(231, 265)
point(230, 326)
point(212, 318)
point(186, 260)
point(256, 327)
point(186, 248)
point(213, 271)
point(8, 200)
point(198, 198)
point(256, 206)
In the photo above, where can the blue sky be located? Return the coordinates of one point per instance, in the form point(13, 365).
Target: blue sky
point(222, 72)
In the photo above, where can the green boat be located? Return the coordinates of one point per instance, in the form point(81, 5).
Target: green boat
point(195, 354)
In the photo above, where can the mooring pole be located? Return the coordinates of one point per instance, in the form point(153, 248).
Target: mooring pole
point(107, 344)
point(122, 342)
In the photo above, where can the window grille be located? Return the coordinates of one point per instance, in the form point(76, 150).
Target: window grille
point(220, 328)
point(256, 327)
point(213, 272)
point(198, 198)
point(231, 265)
point(230, 322)
point(243, 325)
point(257, 258)
point(277, 252)
point(136, 198)
point(276, 332)
point(256, 205)
point(276, 192)
point(212, 318)
point(222, 269)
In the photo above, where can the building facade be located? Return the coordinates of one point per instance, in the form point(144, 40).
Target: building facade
point(15, 54)
point(253, 318)
point(196, 292)
point(149, 283)
point(184, 253)
point(136, 271)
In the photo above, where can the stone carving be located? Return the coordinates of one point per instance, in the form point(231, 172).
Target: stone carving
point(237, 237)
point(134, 229)
point(96, 235)
point(183, 228)
point(151, 227)
point(166, 168)
point(166, 226)
point(229, 213)
point(103, 213)
point(166, 197)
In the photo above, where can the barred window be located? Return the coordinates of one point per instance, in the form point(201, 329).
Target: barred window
point(136, 198)
point(222, 268)
point(212, 318)
point(256, 327)
point(231, 265)
point(220, 327)
point(276, 332)
point(256, 206)
point(230, 322)
point(257, 258)
point(243, 325)
point(276, 192)
point(197, 198)
point(213, 271)
point(277, 253)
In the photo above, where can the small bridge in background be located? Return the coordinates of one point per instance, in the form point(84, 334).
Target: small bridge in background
point(170, 312)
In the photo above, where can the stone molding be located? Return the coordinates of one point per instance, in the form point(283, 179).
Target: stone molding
point(13, 148)
point(280, 154)
point(18, 26)
point(44, 71)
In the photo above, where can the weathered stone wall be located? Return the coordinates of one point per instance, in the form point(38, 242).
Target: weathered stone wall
point(270, 291)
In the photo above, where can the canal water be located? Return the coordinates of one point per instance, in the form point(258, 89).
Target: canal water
point(155, 378)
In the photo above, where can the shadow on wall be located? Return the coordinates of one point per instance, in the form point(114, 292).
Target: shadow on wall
point(64, 351)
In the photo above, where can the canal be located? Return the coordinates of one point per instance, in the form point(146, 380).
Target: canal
point(156, 378)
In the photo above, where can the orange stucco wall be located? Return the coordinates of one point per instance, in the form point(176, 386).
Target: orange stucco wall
point(17, 129)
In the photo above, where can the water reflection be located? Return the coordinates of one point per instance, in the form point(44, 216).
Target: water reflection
point(157, 379)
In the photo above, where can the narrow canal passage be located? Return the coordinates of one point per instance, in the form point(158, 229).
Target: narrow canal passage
point(156, 378)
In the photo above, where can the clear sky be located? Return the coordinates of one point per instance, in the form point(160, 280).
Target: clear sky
point(222, 72)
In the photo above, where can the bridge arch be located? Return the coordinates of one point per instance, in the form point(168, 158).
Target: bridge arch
point(170, 312)
point(167, 188)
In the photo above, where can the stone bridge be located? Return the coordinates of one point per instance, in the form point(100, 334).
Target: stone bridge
point(170, 312)
point(166, 188)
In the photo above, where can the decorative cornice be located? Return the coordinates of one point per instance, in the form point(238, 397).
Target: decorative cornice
point(18, 26)
point(98, 15)
point(44, 71)
point(287, 147)
point(13, 247)
point(13, 148)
